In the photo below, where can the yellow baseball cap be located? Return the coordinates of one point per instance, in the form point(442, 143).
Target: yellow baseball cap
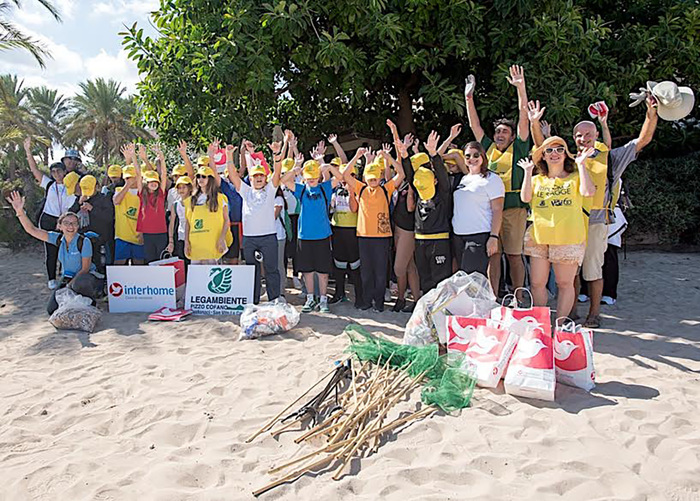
point(183, 180)
point(373, 171)
point(128, 171)
point(287, 165)
point(419, 159)
point(424, 182)
point(151, 176)
point(205, 171)
point(203, 161)
point(337, 162)
point(114, 171)
point(312, 169)
point(88, 185)
point(256, 170)
point(71, 181)
point(179, 170)
point(454, 150)
point(380, 160)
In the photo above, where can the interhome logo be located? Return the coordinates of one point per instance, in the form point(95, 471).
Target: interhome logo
point(131, 212)
point(198, 224)
point(116, 290)
point(220, 280)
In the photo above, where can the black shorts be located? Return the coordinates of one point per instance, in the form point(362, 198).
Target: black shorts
point(234, 249)
point(314, 255)
point(345, 248)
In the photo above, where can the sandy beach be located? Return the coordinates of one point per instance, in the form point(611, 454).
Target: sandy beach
point(155, 411)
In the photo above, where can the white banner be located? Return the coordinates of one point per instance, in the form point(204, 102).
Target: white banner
point(140, 288)
point(219, 289)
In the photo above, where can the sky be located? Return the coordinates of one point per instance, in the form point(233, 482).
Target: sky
point(86, 45)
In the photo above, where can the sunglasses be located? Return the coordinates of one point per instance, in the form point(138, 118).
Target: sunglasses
point(201, 176)
point(473, 155)
point(558, 149)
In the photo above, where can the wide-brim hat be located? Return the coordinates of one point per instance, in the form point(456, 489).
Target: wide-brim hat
point(538, 154)
point(674, 102)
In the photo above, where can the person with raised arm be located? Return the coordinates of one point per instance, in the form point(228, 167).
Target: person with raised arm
point(510, 144)
point(128, 242)
point(151, 221)
point(557, 236)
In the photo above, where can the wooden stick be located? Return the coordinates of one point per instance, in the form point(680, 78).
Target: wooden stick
point(273, 420)
point(293, 476)
point(279, 430)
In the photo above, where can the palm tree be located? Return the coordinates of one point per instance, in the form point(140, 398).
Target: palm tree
point(15, 118)
point(12, 38)
point(101, 116)
point(48, 109)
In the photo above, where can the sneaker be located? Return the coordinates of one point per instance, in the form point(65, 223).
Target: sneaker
point(338, 299)
point(607, 300)
point(387, 295)
point(364, 307)
point(409, 308)
point(399, 306)
point(309, 305)
point(378, 309)
point(582, 298)
point(53, 285)
point(323, 307)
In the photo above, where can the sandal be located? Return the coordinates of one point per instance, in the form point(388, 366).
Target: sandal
point(592, 322)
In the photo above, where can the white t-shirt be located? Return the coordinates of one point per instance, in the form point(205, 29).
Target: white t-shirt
point(58, 200)
point(279, 222)
point(258, 210)
point(173, 196)
point(180, 211)
point(292, 202)
point(617, 228)
point(472, 203)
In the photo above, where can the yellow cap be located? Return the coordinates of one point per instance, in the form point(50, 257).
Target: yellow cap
point(128, 171)
point(312, 169)
point(205, 171)
point(88, 185)
point(380, 160)
point(287, 165)
point(256, 170)
point(151, 176)
point(183, 180)
point(373, 171)
point(203, 161)
point(179, 170)
point(419, 159)
point(424, 182)
point(337, 162)
point(114, 171)
point(71, 181)
point(454, 150)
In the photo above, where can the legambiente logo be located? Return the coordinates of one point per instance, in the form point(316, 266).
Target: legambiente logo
point(116, 290)
point(220, 280)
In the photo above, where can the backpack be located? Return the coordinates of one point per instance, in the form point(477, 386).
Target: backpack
point(386, 194)
point(97, 258)
point(325, 199)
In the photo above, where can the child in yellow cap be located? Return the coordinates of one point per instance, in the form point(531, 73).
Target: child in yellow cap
point(128, 242)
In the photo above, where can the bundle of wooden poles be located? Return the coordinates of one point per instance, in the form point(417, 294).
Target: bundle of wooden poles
point(347, 418)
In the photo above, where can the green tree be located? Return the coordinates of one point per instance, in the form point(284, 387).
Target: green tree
point(236, 67)
point(12, 37)
point(101, 116)
point(48, 109)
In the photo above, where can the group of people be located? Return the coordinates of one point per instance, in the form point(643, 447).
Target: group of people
point(411, 212)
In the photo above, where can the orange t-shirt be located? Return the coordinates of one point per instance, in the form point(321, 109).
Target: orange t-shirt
point(373, 213)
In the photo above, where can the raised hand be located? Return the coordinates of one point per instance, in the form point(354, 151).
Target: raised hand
point(298, 160)
point(157, 150)
point(230, 150)
point(370, 155)
point(584, 154)
point(27, 144)
point(392, 126)
point(431, 144)
point(469, 86)
point(534, 111)
point(142, 152)
point(545, 128)
point(456, 130)
point(275, 147)
point(360, 152)
point(332, 138)
point(416, 146)
point(182, 148)
point(517, 76)
point(17, 202)
point(386, 148)
point(526, 164)
point(249, 146)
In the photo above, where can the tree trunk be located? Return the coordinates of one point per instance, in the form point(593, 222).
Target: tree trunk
point(405, 116)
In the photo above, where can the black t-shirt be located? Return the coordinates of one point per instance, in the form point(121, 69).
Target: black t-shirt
point(401, 216)
point(435, 215)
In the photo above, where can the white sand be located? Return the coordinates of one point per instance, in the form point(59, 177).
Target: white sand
point(161, 411)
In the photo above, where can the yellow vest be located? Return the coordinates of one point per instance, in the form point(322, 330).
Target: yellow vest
point(126, 215)
point(598, 170)
point(501, 162)
point(557, 218)
point(205, 229)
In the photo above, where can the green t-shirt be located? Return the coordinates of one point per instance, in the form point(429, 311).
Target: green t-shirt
point(505, 164)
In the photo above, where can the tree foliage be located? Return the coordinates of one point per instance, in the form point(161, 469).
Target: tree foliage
point(12, 37)
point(227, 68)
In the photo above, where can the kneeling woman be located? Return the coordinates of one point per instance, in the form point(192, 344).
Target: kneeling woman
point(74, 250)
point(557, 236)
point(207, 232)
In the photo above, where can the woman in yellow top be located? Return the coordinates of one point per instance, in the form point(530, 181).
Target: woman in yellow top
point(128, 243)
point(557, 236)
point(207, 227)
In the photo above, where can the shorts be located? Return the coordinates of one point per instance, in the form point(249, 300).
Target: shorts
point(555, 254)
point(314, 256)
point(123, 250)
point(513, 231)
point(234, 250)
point(346, 251)
point(594, 257)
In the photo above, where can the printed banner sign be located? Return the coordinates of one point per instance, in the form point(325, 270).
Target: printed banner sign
point(140, 288)
point(219, 289)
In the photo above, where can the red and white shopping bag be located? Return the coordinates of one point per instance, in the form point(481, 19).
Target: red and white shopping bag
point(180, 277)
point(531, 369)
point(522, 320)
point(166, 314)
point(460, 331)
point(488, 353)
point(573, 355)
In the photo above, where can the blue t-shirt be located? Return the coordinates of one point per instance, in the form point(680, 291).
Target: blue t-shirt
point(314, 223)
point(70, 257)
point(235, 202)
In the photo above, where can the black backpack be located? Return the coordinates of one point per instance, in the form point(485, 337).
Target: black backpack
point(96, 254)
point(325, 199)
point(386, 194)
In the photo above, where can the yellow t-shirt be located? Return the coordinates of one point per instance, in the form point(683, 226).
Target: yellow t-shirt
point(126, 215)
point(557, 214)
point(373, 209)
point(205, 229)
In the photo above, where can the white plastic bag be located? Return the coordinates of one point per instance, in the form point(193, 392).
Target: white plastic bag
point(462, 292)
point(264, 319)
point(75, 312)
point(573, 355)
